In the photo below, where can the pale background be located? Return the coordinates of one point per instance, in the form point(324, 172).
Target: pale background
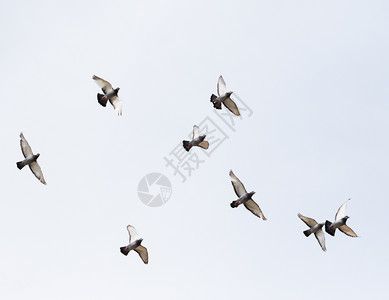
point(315, 74)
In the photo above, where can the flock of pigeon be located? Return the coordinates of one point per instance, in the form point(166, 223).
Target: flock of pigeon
point(224, 97)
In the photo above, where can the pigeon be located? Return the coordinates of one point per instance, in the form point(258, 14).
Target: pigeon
point(224, 97)
point(109, 94)
point(197, 140)
point(340, 222)
point(135, 244)
point(315, 228)
point(244, 197)
point(30, 159)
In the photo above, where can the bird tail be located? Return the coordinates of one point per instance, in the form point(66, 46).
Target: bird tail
point(307, 232)
point(216, 105)
point(20, 164)
point(329, 230)
point(234, 204)
point(204, 145)
point(124, 250)
point(102, 99)
point(186, 145)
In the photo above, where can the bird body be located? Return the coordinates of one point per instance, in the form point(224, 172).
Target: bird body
point(30, 159)
point(315, 228)
point(242, 200)
point(197, 140)
point(224, 97)
point(110, 94)
point(135, 244)
point(244, 197)
point(340, 222)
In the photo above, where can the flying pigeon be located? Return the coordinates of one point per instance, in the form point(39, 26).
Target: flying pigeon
point(135, 244)
point(244, 197)
point(109, 94)
point(340, 222)
point(30, 159)
point(197, 140)
point(224, 97)
point(315, 228)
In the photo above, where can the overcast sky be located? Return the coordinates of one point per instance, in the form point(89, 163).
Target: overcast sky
point(313, 73)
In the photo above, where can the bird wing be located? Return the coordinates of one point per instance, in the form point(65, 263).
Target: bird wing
point(341, 211)
point(204, 145)
point(221, 86)
point(36, 170)
point(117, 104)
point(347, 230)
point(319, 235)
point(132, 232)
point(252, 206)
point(310, 222)
point(105, 86)
point(144, 255)
point(196, 132)
point(238, 185)
point(230, 104)
point(26, 149)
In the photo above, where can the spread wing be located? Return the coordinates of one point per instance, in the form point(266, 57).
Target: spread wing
point(319, 235)
point(310, 222)
point(144, 255)
point(231, 106)
point(196, 132)
point(252, 206)
point(36, 170)
point(341, 211)
point(133, 234)
point(204, 145)
point(238, 185)
point(117, 104)
point(221, 86)
point(347, 230)
point(105, 86)
point(26, 149)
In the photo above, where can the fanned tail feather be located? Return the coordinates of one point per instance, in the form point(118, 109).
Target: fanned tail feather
point(102, 101)
point(216, 105)
point(234, 204)
point(20, 165)
point(186, 145)
point(329, 230)
point(124, 250)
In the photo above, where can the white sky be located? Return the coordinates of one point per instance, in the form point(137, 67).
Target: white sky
point(315, 74)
